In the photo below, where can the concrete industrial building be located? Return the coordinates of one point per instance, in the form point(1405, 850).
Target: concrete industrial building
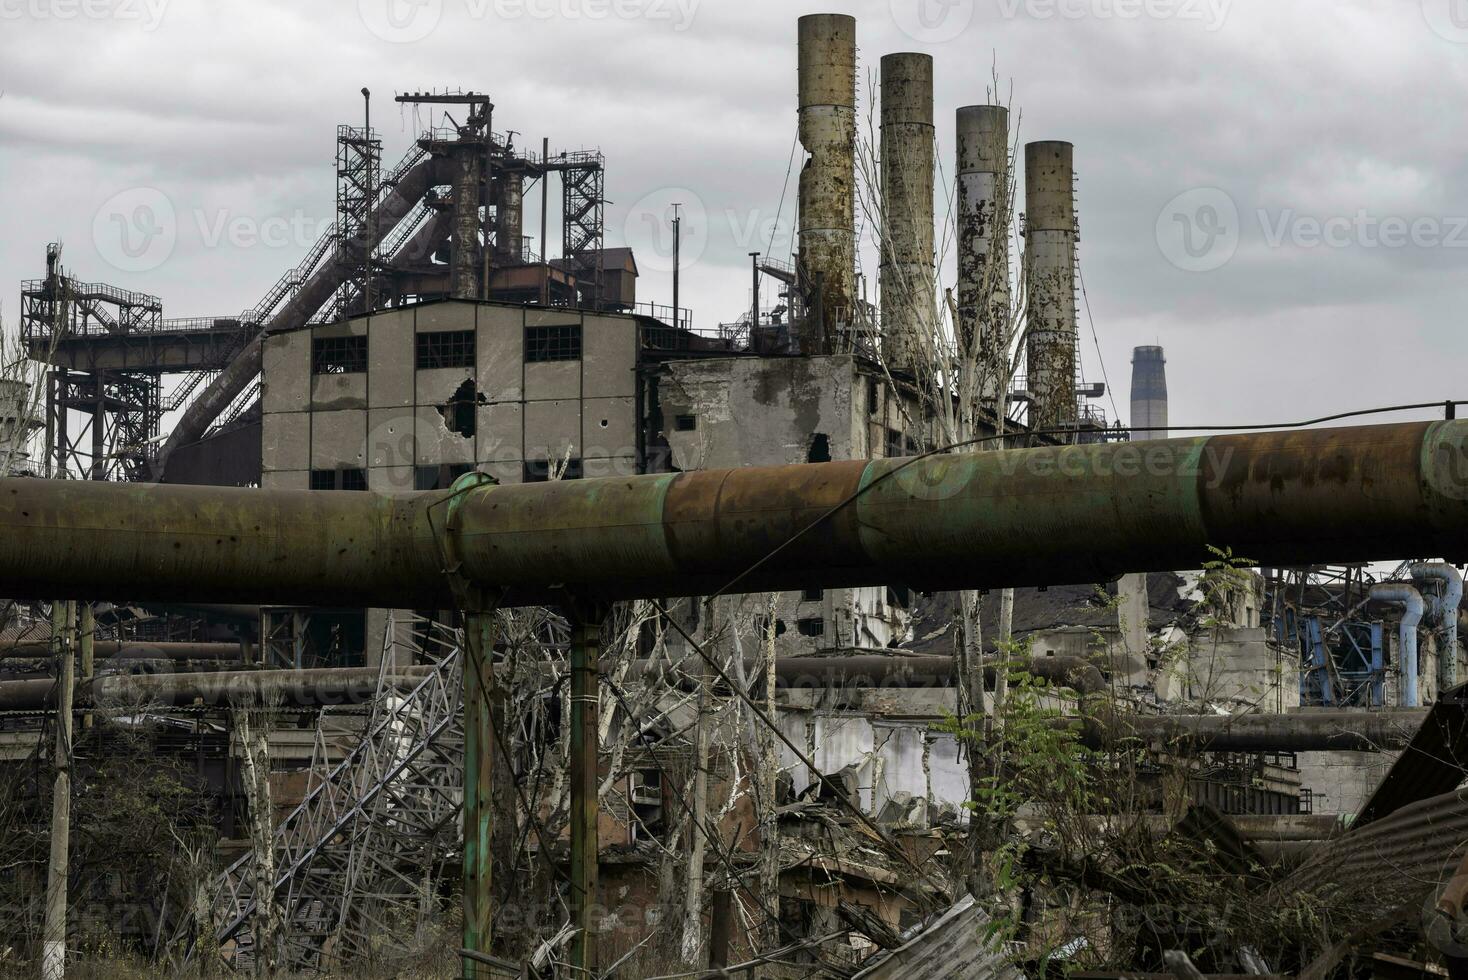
point(426, 338)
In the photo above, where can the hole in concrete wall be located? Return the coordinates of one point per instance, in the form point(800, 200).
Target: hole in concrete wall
point(460, 413)
point(604, 423)
point(820, 449)
point(685, 423)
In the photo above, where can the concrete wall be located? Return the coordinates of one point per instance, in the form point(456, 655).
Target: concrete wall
point(742, 411)
point(1342, 781)
point(391, 418)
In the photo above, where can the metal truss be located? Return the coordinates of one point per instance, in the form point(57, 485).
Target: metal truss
point(358, 859)
point(358, 179)
point(583, 203)
point(120, 412)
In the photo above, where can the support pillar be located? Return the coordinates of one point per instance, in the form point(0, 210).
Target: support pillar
point(478, 766)
point(53, 945)
point(585, 741)
point(86, 647)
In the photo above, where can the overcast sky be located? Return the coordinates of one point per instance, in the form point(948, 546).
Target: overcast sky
point(1274, 190)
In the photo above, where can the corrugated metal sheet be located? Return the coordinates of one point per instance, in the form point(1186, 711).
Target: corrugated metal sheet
point(1392, 864)
point(1433, 763)
point(952, 948)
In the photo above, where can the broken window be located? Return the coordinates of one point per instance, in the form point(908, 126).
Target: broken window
point(439, 477)
point(459, 412)
point(444, 349)
point(553, 343)
point(343, 479)
point(539, 470)
point(820, 449)
point(874, 397)
point(685, 423)
point(339, 355)
point(762, 626)
point(812, 595)
point(813, 626)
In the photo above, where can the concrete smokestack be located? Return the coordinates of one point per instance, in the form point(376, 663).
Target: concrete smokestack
point(984, 195)
point(1149, 393)
point(906, 274)
point(1050, 249)
point(827, 236)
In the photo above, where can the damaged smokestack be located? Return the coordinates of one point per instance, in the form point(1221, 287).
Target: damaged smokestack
point(1050, 254)
point(827, 239)
point(906, 274)
point(984, 196)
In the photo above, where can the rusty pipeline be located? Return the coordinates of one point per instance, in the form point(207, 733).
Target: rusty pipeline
point(1052, 515)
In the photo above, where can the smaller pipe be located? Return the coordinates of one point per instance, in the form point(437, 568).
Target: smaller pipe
point(1411, 602)
point(108, 649)
point(1444, 609)
point(1306, 731)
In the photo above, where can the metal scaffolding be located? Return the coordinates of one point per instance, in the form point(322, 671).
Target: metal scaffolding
point(362, 850)
point(358, 177)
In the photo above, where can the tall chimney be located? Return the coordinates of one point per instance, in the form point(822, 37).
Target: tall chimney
point(985, 192)
point(827, 236)
point(1050, 251)
point(906, 271)
point(1149, 393)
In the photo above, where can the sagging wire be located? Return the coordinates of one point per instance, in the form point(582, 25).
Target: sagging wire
point(1449, 407)
point(800, 755)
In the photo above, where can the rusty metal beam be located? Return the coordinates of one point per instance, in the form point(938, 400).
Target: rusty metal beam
point(993, 519)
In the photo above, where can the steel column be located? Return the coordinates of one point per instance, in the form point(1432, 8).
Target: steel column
point(585, 741)
point(478, 783)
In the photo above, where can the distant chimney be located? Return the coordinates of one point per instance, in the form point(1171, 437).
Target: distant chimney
point(906, 270)
point(827, 234)
point(984, 196)
point(1050, 256)
point(1149, 393)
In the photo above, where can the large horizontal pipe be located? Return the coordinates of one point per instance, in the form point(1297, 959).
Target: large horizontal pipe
point(1302, 731)
point(974, 520)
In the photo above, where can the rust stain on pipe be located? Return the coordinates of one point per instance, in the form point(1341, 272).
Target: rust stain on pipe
point(1054, 515)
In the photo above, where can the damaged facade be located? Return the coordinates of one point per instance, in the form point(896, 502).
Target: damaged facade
point(801, 778)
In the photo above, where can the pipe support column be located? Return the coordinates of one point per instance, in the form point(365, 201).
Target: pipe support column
point(585, 741)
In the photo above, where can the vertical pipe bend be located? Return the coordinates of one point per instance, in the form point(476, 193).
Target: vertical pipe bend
point(1444, 610)
point(1411, 602)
